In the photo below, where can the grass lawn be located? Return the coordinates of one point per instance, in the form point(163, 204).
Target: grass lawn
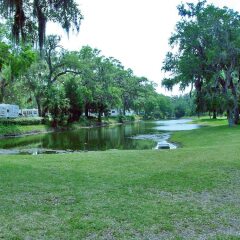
point(206, 121)
point(188, 193)
point(20, 129)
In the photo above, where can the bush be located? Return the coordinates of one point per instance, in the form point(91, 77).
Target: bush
point(132, 118)
point(179, 111)
point(122, 119)
point(21, 121)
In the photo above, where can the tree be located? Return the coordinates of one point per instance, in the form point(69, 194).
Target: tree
point(58, 105)
point(74, 93)
point(31, 16)
point(208, 57)
point(13, 63)
point(106, 94)
point(183, 105)
point(34, 81)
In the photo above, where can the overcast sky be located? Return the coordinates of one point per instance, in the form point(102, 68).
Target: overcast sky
point(136, 32)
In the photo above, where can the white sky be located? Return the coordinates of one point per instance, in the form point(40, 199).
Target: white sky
point(136, 32)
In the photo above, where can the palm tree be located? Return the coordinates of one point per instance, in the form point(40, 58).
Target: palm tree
point(29, 17)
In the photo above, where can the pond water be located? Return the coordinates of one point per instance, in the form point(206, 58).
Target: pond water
point(140, 135)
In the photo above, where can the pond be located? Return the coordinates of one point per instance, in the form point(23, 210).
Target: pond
point(139, 135)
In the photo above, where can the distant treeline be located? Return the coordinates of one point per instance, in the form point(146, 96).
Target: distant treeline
point(71, 84)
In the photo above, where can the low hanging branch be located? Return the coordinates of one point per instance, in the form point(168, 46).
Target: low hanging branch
point(65, 72)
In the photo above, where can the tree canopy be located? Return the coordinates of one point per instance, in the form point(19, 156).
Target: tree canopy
point(28, 18)
point(207, 39)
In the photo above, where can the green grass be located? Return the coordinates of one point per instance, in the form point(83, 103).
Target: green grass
point(220, 121)
point(188, 193)
point(20, 129)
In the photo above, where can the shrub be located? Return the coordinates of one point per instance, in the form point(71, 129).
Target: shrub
point(122, 119)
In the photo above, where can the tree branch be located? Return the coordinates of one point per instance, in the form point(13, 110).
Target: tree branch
point(63, 73)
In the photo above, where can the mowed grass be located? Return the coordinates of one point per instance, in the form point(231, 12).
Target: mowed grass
point(206, 121)
point(188, 193)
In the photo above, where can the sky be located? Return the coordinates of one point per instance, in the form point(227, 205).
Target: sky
point(135, 32)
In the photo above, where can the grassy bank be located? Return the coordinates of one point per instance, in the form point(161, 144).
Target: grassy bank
point(105, 121)
point(206, 121)
point(6, 130)
point(188, 193)
point(22, 126)
point(19, 126)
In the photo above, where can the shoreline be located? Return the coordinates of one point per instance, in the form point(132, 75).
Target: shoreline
point(61, 129)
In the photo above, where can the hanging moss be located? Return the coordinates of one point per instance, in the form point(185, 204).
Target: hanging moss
point(25, 15)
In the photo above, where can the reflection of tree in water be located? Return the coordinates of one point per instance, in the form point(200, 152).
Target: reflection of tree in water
point(113, 137)
point(31, 141)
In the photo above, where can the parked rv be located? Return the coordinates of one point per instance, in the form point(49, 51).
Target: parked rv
point(9, 111)
point(29, 112)
point(114, 112)
point(118, 112)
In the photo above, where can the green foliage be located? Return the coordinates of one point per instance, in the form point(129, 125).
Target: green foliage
point(179, 111)
point(16, 129)
point(22, 121)
point(183, 106)
point(65, 85)
point(73, 93)
point(123, 119)
point(29, 18)
point(58, 105)
point(207, 57)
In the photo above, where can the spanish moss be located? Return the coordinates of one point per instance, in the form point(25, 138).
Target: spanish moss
point(25, 14)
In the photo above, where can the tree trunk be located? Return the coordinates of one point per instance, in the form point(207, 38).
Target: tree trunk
point(214, 114)
point(1, 98)
point(210, 115)
point(100, 116)
point(230, 117)
point(124, 110)
point(2, 91)
point(236, 110)
point(86, 110)
point(44, 112)
point(232, 112)
point(39, 106)
point(235, 102)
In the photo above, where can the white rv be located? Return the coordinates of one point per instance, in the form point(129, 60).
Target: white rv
point(9, 111)
point(129, 113)
point(29, 112)
point(117, 112)
point(114, 112)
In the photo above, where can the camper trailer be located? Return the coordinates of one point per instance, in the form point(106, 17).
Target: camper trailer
point(114, 112)
point(29, 112)
point(9, 111)
point(118, 112)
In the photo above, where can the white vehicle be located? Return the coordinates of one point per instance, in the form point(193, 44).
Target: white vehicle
point(117, 112)
point(9, 111)
point(29, 112)
point(129, 113)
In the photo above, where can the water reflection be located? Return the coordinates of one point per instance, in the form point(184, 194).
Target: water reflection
point(141, 135)
point(176, 125)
